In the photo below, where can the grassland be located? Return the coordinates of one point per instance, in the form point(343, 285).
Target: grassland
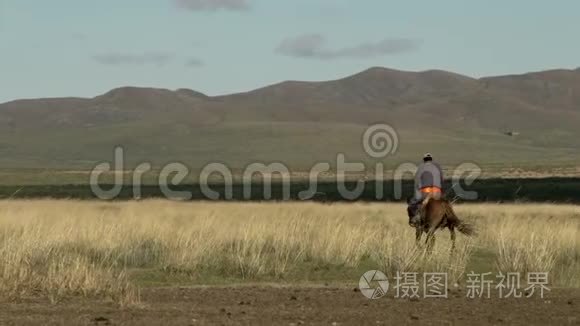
point(58, 249)
point(496, 184)
point(57, 177)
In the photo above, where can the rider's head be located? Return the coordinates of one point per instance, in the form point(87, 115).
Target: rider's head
point(427, 157)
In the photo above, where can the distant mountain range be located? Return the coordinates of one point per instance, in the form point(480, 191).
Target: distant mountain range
point(516, 119)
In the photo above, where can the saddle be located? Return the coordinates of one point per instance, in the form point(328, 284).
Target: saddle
point(425, 201)
point(416, 211)
point(430, 195)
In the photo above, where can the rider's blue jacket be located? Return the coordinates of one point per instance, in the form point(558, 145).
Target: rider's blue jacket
point(429, 174)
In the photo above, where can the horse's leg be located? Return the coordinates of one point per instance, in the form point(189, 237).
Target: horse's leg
point(430, 242)
point(418, 234)
point(452, 231)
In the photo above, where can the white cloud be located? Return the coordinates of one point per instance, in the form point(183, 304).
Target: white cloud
point(212, 5)
point(314, 46)
point(115, 58)
point(194, 62)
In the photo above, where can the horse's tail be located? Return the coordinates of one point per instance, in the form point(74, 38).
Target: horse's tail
point(465, 228)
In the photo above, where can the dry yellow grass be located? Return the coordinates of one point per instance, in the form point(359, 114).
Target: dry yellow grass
point(532, 238)
point(62, 248)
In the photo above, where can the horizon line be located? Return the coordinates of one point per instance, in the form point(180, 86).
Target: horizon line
point(577, 69)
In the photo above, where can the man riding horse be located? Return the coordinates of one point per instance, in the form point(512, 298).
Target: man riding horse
point(428, 210)
point(428, 182)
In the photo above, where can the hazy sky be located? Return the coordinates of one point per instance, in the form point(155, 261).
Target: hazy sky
point(84, 48)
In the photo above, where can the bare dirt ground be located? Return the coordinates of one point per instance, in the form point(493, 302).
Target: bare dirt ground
point(259, 305)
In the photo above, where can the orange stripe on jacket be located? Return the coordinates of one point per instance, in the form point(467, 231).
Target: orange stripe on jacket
point(431, 190)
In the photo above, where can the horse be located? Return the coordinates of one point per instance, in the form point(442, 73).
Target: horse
point(436, 213)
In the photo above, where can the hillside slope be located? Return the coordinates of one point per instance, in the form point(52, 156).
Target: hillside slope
point(456, 117)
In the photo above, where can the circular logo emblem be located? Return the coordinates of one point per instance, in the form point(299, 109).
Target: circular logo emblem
point(380, 140)
point(373, 284)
